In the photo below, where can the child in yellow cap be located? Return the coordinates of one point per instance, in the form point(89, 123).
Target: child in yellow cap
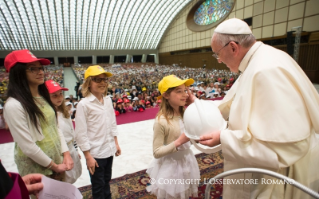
point(174, 171)
point(96, 130)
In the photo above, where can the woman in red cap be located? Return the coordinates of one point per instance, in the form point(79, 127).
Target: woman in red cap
point(40, 146)
point(119, 106)
point(66, 127)
point(141, 106)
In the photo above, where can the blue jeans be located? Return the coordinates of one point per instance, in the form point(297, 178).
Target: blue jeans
point(100, 180)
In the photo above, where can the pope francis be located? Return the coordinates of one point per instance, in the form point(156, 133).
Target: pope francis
point(275, 132)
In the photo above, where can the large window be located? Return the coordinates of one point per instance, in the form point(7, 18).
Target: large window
point(207, 14)
point(211, 11)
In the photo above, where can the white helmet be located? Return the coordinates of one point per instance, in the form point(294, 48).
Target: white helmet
point(201, 118)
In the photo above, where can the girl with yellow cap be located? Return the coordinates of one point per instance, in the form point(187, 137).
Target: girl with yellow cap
point(174, 172)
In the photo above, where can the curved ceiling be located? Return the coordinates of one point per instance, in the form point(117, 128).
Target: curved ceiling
point(85, 24)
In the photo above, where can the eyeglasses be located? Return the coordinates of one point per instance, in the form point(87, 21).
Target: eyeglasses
point(36, 70)
point(99, 80)
point(216, 54)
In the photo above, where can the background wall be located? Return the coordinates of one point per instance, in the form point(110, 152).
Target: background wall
point(271, 18)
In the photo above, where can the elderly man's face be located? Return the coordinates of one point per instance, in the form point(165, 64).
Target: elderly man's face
point(225, 54)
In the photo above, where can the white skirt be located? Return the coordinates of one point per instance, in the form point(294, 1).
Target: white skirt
point(174, 176)
point(72, 175)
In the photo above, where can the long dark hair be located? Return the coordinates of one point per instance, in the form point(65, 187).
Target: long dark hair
point(18, 88)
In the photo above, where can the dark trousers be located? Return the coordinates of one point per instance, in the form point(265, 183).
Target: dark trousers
point(101, 178)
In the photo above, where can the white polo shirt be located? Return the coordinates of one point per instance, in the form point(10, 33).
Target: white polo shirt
point(95, 126)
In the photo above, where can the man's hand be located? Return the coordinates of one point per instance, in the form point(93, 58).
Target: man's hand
point(33, 183)
point(211, 139)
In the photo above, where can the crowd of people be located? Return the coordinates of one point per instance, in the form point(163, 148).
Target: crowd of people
point(134, 87)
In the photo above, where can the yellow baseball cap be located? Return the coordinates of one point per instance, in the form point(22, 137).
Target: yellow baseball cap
point(95, 70)
point(172, 81)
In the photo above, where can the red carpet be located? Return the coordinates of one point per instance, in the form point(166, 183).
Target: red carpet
point(136, 116)
point(5, 136)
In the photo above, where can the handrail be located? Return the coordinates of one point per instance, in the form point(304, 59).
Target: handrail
point(263, 171)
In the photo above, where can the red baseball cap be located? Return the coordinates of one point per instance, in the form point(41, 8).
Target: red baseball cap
point(53, 86)
point(119, 101)
point(126, 101)
point(22, 56)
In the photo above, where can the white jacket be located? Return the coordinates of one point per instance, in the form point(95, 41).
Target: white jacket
point(273, 112)
point(25, 134)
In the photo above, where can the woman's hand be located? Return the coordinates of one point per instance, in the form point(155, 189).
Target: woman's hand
point(67, 160)
point(181, 140)
point(59, 168)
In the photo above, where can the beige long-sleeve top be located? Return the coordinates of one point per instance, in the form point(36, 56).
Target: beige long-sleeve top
point(164, 136)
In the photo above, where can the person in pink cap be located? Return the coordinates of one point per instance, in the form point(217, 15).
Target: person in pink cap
point(148, 104)
point(40, 146)
point(158, 103)
point(66, 127)
point(127, 106)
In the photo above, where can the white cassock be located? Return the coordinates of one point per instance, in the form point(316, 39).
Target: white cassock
point(273, 112)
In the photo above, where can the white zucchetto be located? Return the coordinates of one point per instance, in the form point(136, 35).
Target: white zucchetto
point(233, 26)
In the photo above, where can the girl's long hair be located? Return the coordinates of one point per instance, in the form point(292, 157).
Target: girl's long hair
point(167, 110)
point(18, 88)
point(63, 110)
